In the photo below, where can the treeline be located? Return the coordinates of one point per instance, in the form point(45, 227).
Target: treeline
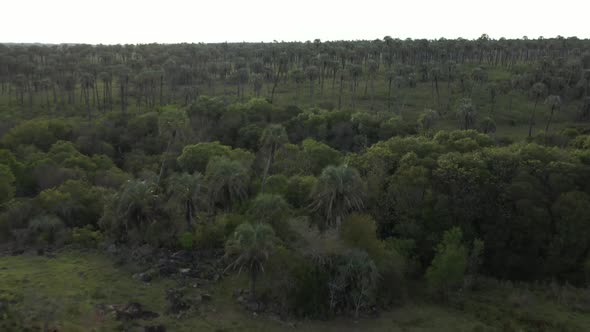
point(338, 208)
point(104, 78)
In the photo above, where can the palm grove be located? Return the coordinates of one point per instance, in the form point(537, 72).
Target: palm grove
point(337, 171)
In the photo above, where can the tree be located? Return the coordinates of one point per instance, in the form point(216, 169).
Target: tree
point(339, 191)
point(487, 125)
point(312, 74)
point(554, 103)
point(538, 91)
point(194, 158)
point(389, 76)
point(372, 69)
point(427, 119)
point(466, 113)
point(272, 139)
point(132, 215)
point(172, 123)
point(185, 192)
point(357, 277)
point(7, 181)
point(298, 77)
point(227, 181)
point(251, 245)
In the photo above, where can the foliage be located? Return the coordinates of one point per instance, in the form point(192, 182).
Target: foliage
point(448, 267)
point(338, 191)
point(251, 246)
point(7, 181)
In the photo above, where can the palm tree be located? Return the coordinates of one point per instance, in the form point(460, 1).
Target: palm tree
point(372, 69)
point(538, 90)
point(554, 103)
point(339, 191)
point(172, 124)
point(488, 125)
point(390, 76)
point(466, 113)
point(227, 181)
point(251, 245)
point(272, 139)
point(298, 77)
point(185, 192)
point(312, 73)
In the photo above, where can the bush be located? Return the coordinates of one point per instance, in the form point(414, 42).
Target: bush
point(214, 234)
point(186, 240)
point(86, 237)
point(276, 184)
point(449, 264)
point(360, 231)
point(298, 191)
point(46, 229)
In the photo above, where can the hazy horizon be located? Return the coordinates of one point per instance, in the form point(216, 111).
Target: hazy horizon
point(180, 21)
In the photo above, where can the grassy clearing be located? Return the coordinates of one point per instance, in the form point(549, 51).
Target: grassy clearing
point(66, 291)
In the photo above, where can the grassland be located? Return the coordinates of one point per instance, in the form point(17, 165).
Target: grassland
point(69, 292)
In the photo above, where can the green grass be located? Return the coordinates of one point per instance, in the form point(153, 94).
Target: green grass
point(67, 289)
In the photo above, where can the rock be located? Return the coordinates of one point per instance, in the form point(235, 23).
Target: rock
point(254, 306)
point(146, 276)
point(176, 301)
point(154, 328)
point(133, 310)
point(167, 268)
point(183, 256)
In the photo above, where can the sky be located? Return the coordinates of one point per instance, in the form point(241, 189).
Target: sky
point(173, 21)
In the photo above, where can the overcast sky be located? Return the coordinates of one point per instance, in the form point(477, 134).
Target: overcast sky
point(172, 21)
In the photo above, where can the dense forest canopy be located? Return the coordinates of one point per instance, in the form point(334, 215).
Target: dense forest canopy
point(340, 172)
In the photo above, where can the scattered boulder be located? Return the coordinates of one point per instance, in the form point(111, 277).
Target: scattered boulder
point(132, 311)
point(146, 276)
point(166, 267)
point(183, 256)
point(176, 301)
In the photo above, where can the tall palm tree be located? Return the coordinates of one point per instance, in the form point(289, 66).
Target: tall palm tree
point(339, 191)
point(272, 139)
point(466, 113)
point(312, 74)
point(251, 246)
point(389, 76)
point(554, 103)
point(227, 181)
point(538, 90)
point(185, 192)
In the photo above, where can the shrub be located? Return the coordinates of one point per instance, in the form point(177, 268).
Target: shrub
point(299, 190)
point(46, 229)
point(186, 240)
point(449, 264)
point(86, 237)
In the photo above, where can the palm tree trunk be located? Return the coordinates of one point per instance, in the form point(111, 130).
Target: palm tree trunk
point(532, 118)
point(550, 119)
point(267, 168)
point(253, 276)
